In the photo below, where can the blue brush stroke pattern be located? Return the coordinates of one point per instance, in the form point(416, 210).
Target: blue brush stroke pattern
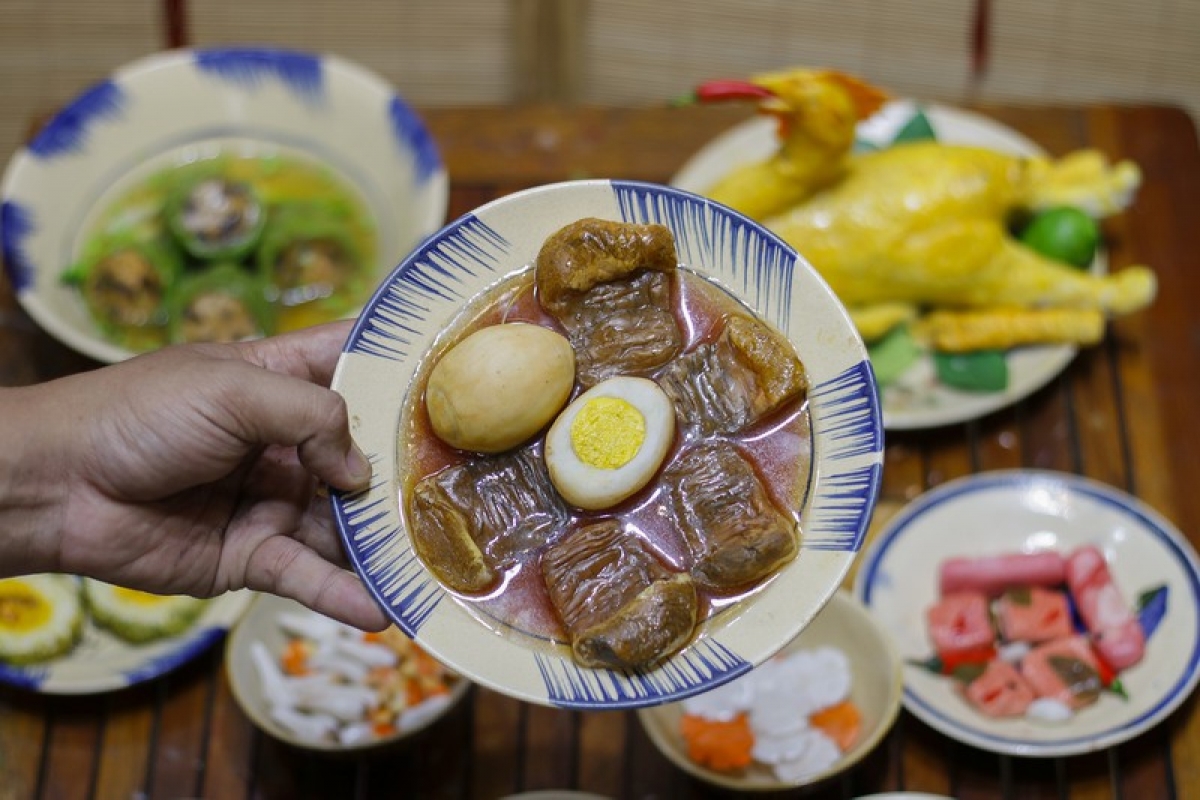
point(848, 405)
point(30, 678)
point(157, 667)
point(840, 512)
point(759, 266)
point(413, 136)
point(67, 132)
point(707, 663)
point(392, 322)
point(249, 68)
point(16, 226)
point(400, 581)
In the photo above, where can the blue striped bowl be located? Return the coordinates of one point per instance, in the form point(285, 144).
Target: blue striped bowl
point(171, 106)
point(448, 270)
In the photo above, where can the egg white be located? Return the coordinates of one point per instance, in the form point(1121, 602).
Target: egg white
point(594, 488)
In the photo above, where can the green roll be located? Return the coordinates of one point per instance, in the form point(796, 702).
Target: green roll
point(307, 253)
point(125, 281)
point(215, 218)
point(222, 303)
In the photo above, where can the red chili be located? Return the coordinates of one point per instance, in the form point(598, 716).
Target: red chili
point(714, 91)
point(975, 656)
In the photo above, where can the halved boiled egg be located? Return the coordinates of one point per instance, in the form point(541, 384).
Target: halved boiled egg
point(608, 443)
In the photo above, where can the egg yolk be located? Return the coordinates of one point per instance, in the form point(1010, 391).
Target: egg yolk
point(608, 432)
point(22, 609)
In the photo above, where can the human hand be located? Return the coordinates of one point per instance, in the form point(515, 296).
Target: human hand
point(196, 470)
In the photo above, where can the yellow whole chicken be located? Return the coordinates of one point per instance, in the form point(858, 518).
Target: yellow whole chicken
point(924, 224)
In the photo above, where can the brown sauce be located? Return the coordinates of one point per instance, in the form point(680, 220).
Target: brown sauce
point(779, 448)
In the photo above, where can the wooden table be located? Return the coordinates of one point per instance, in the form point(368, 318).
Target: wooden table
point(1123, 413)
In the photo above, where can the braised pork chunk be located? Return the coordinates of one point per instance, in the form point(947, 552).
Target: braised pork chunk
point(734, 531)
point(471, 521)
point(621, 607)
point(609, 285)
point(728, 385)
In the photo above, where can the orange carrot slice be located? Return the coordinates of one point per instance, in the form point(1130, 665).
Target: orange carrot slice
point(841, 722)
point(722, 746)
point(295, 657)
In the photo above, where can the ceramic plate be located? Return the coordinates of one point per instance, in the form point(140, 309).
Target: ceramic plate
point(101, 662)
point(875, 690)
point(261, 624)
point(175, 107)
point(1007, 511)
point(916, 399)
point(430, 288)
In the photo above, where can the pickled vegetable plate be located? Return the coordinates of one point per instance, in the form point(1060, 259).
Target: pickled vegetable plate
point(1025, 511)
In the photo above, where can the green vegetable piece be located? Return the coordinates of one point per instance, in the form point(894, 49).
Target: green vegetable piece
point(222, 303)
point(892, 355)
point(308, 253)
point(214, 218)
point(125, 281)
point(981, 371)
point(1065, 234)
point(918, 128)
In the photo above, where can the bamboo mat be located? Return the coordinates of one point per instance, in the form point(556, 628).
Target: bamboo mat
point(435, 52)
point(1095, 50)
point(635, 52)
point(50, 50)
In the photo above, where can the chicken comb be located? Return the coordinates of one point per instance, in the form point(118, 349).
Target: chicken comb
point(867, 99)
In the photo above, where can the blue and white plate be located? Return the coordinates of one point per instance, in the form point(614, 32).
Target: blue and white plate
point(101, 662)
point(1018, 510)
point(430, 288)
point(174, 107)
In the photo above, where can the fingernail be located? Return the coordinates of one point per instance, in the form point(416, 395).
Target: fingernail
point(358, 466)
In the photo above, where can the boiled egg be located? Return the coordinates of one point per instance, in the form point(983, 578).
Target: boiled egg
point(608, 443)
point(499, 386)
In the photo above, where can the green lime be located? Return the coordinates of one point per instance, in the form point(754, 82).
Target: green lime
point(1065, 234)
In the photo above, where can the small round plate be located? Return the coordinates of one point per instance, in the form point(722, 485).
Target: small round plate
point(1017, 510)
point(916, 400)
point(875, 689)
point(429, 289)
point(101, 662)
point(261, 625)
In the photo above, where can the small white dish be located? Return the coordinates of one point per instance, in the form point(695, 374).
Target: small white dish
point(875, 689)
point(177, 106)
point(427, 292)
point(261, 626)
point(917, 399)
point(102, 662)
point(1018, 510)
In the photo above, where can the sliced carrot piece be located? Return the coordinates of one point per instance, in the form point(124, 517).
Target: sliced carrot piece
point(294, 660)
point(841, 722)
point(722, 746)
